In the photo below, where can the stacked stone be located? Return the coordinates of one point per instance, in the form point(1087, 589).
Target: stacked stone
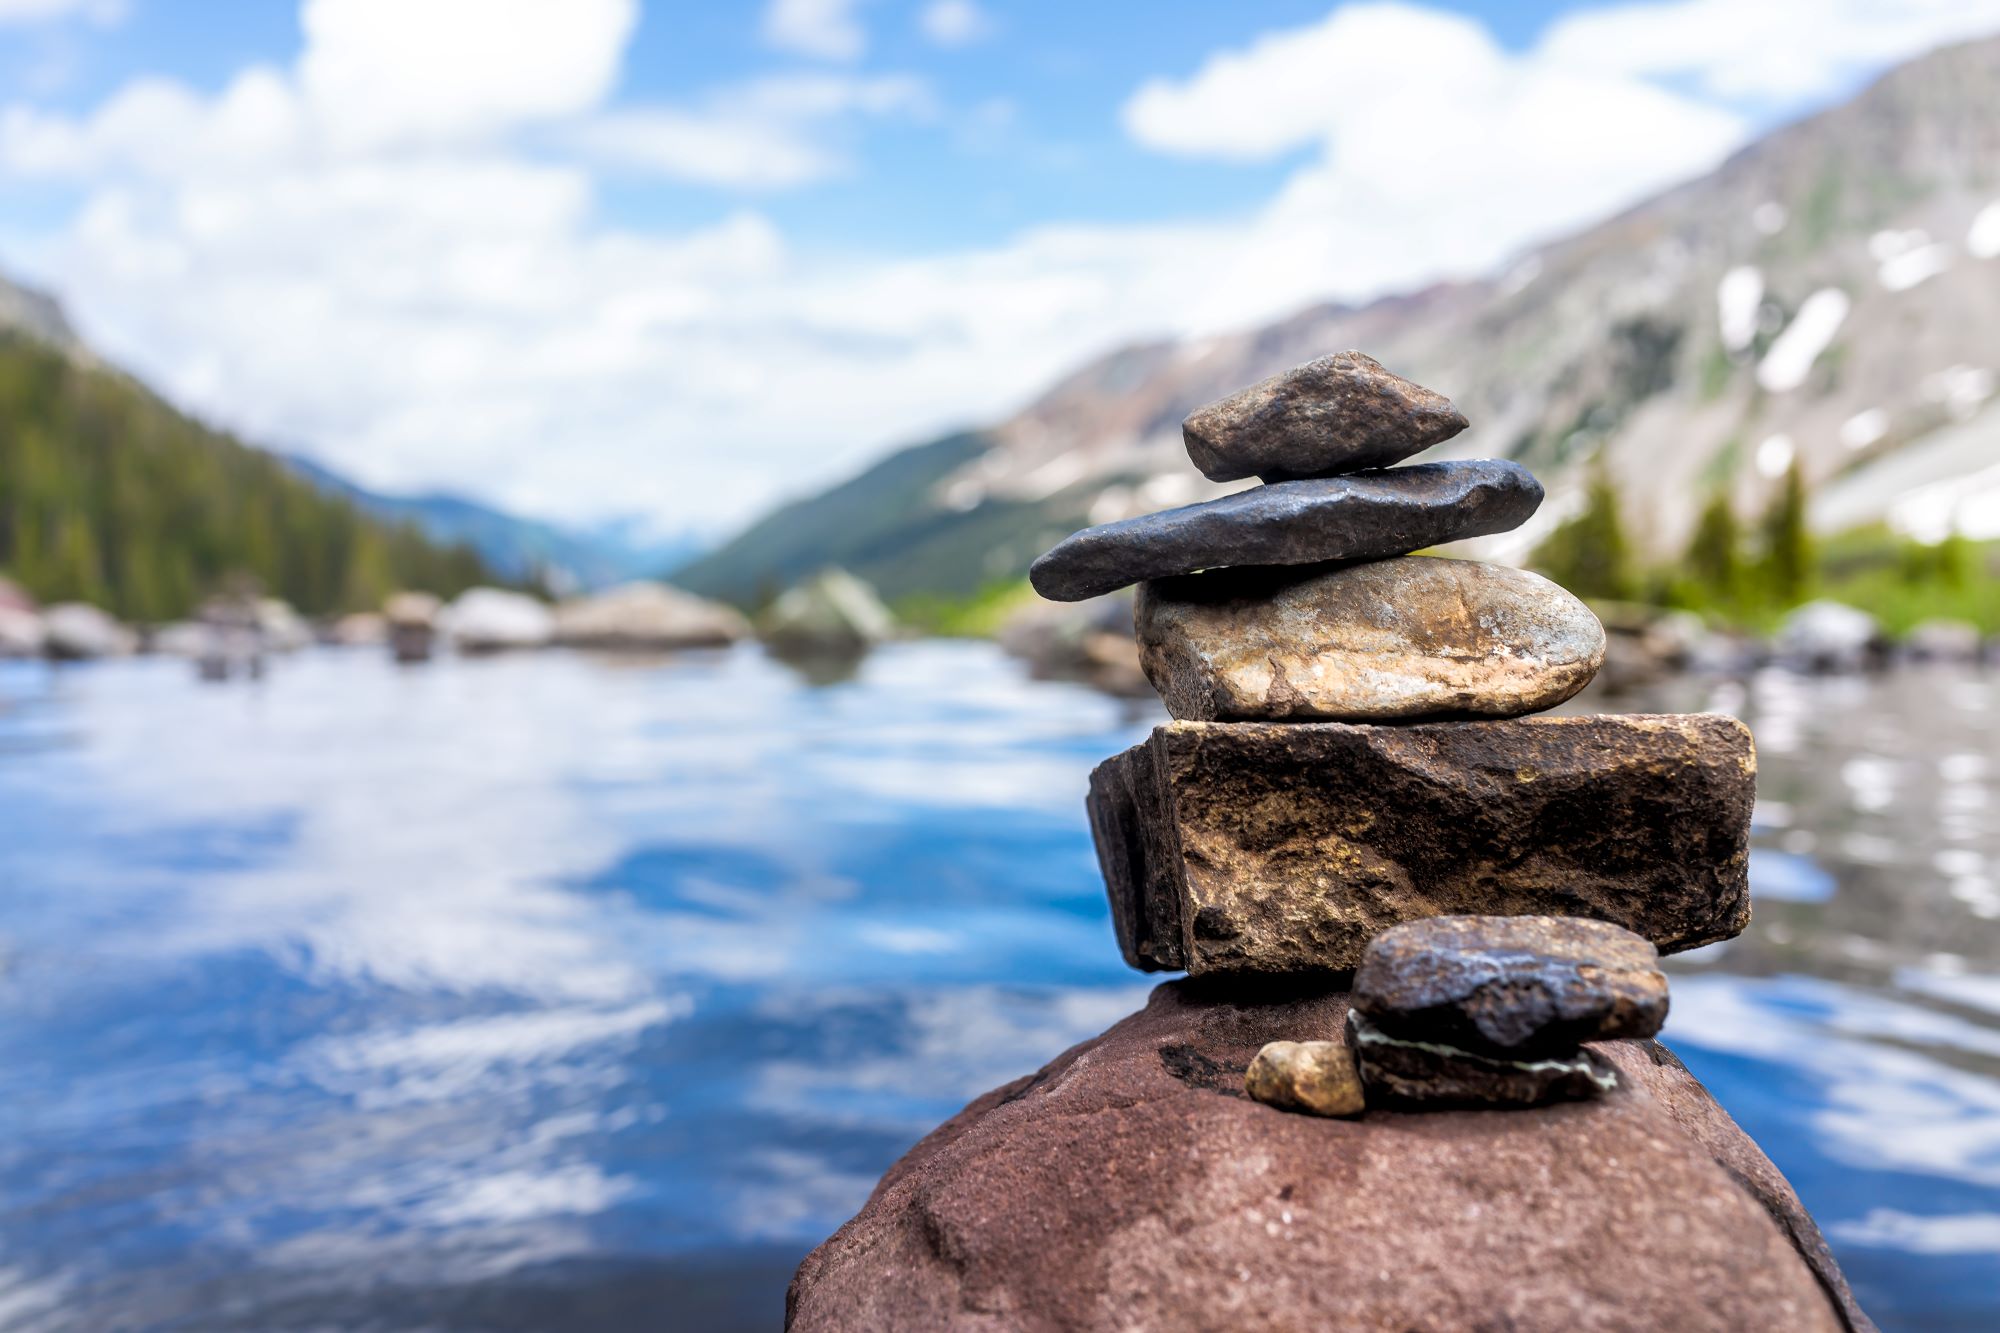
point(1353, 778)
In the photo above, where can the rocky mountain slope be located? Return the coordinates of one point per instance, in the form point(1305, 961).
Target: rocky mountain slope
point(1830, 294)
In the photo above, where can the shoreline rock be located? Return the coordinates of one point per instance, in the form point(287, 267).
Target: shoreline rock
point(831, 615)
point(647, 617)
point(493, 620)
point(1130, 1184)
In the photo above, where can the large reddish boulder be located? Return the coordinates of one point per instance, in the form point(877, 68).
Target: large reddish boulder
point(1131, 1185)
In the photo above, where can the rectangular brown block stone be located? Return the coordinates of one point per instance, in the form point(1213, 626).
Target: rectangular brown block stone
point(1286, 847)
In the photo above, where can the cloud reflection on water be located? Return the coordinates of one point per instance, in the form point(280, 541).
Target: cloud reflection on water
point(370, 977)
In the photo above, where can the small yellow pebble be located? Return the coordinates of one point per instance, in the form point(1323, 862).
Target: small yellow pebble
point(1317, 1077)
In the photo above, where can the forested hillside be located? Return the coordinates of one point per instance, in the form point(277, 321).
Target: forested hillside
point(109, 495)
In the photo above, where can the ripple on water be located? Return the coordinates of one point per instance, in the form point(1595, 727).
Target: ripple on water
point(551, 991)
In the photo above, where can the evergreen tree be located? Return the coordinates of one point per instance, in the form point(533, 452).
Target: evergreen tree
point(1957, 560)
point(1714, 560)
point(1590, 554)
point(1786, 568)
point(110, 496)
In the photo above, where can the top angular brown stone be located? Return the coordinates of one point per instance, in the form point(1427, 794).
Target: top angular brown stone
point(1342, 413)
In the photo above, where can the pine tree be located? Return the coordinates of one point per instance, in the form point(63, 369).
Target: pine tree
point(1714, 559)
point(1786, 568)
point(1590, 554)
point(109, 495)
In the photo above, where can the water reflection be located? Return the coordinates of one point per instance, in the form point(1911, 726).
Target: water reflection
point(533, 992)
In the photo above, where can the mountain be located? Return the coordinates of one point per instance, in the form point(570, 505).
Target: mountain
point(523, 550)
point(110, 495)
point(1830, 294)
point(886, 525)
point(35, 315)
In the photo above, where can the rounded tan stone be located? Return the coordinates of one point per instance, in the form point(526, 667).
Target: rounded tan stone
point(1318, 1077)
point(1411, 637)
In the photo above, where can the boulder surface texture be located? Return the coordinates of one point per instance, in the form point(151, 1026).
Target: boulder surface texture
point(1131, 1185)
point(1382, 641)
point(1341, 413)
point(1366, 516)
point(1286, 847)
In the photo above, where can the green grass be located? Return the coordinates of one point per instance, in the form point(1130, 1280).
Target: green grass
point(978, 616)
point(1900, 582)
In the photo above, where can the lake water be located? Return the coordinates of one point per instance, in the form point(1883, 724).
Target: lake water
point(561, 992)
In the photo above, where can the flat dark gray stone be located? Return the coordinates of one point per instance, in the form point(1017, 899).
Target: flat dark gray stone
point(1365, 516)
point(1341, 413)
point(1433, 1074)
point(1511, 985)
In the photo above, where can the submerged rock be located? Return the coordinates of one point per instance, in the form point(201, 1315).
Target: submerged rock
point(1511, 985)
point(1391, 639)
point(1435, 1073)
point(76, 631)
point(486, 620)
point(1313, 1076)
point(648, 617)
point(1943, 640)
point(1341, 413)
point(1131, 1185)
point(412, 618)
point(1362, 517)
point(359, 629)
point(833, 614)
point(21, 633)
point(192, 639)
point(1286, 847)
point(1090, 641)
point(1827, 636)
point(279, 628)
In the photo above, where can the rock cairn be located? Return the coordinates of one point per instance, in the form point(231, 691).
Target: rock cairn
point(1407, 909)
point(1353, 779)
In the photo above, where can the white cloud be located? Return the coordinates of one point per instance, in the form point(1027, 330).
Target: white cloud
point(1763, 50)
point(827, 29)
point(1436, 150)
point(380, 72)
point(955, 23)
point(22, 12)
point(394, 256)
point(768, 134)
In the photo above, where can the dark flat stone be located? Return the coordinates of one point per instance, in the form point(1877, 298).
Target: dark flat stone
point(1285, 847)
point(1430, 1073)
point(1511, 985)
point(1366, 516)
point(1341, 413)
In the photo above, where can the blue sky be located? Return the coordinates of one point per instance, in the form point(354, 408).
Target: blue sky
point(591, 257)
